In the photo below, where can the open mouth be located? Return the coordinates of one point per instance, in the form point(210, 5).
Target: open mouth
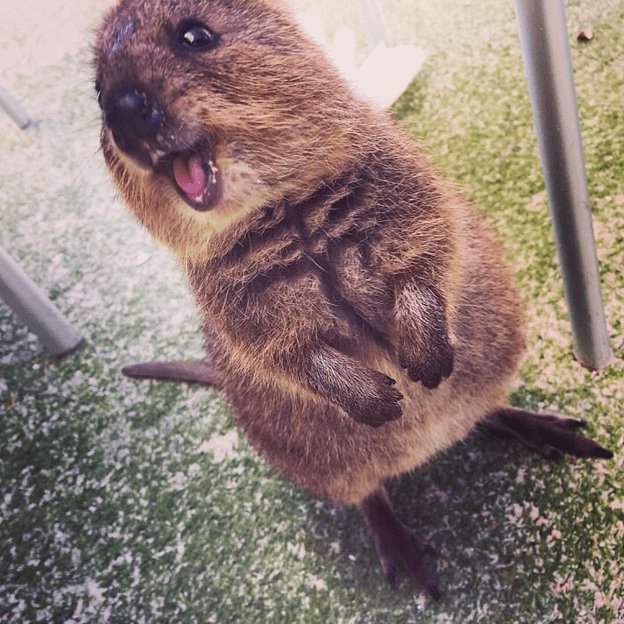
point(196, 179)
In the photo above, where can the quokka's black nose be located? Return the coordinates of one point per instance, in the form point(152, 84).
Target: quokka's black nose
point(134, 119)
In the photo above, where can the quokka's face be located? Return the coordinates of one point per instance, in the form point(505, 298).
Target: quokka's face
point(210, 109)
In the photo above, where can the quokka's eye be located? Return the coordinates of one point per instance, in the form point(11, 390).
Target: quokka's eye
point(194, 36)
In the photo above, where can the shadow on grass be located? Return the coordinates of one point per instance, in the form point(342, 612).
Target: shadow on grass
point(477, 506)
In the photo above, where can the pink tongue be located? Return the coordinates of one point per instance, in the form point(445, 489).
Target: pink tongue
point(190, 176)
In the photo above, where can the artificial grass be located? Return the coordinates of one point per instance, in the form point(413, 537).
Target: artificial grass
point(140, 502)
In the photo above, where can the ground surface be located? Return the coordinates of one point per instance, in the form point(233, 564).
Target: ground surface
point(140, 502)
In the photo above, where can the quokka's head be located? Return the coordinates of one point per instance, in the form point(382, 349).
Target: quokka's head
point(214, 108)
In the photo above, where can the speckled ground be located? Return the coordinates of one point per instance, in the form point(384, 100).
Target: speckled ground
point(128, 502)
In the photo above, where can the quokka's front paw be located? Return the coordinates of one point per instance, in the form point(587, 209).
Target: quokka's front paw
point(375, 401)
point(430, 364)
point(366, 395)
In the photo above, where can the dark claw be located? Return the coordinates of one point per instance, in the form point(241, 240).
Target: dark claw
point(380, 406)
point(437, 368)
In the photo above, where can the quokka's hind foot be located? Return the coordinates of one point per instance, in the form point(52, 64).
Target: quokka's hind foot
point(399, 549)
point(193, 371)
point(549, 435)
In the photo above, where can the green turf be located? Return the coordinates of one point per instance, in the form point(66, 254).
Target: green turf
point(128, 502)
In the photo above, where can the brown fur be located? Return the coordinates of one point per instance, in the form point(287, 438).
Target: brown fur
point(359, 314)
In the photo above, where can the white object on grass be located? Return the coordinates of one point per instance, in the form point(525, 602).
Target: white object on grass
point(385, 73)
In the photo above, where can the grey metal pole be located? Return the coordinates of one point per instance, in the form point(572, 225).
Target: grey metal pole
point(35, 310)
point(548, 64)
point(13, 109)
point(375, 22)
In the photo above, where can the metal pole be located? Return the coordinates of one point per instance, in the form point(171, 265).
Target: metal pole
point(35, 310)
point(375, 22)
point(548, 64)
point(13, 109)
